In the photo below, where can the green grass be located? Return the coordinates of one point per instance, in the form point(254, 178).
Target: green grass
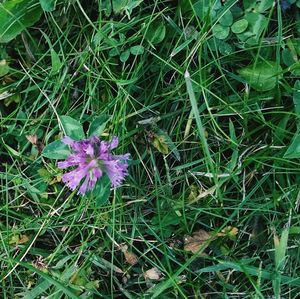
point(208, 151)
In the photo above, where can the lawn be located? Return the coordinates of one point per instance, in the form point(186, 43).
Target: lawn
point(182, 175)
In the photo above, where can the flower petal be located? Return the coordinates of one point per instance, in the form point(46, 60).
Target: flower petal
point(84, 187)
point(114, 142)
point(67, 140)
point(116, 171)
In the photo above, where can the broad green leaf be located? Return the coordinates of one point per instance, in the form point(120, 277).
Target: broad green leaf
point(264, 5)
point(4, 68)
point(287, 57)
point(293, 150)
point(156, 32)
point(225, 48)
point(56, 63)
point(131, 5)
point(237, 12)
point(55, 60)
point(294, 47)
point(262, 76)
point(163, 143)
point(113, 52)
point(106, 7)
point(137, 50)
point(125, 55)
point(101, 191)
point(280, 248)
point(202, 8)
point(244, 36)
point(214, 43)
point(56, 150)
point(72, 127)
point(296, 97)
point(98, 125)
point(239, 26)
point(295, 68)
point(220, 32)
point(48, 5)
point(119, 5)
point(249, 4)
point(257, 23)
point(226, 19)
point(280, 256)
point(16, 15)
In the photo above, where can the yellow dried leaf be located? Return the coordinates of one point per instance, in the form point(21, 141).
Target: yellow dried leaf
point(18, 239)
point(55, 180)
point(32, 139)
point(193, 192)
point(23, 239)
point(4, 68)
point(64, 228)
point(203, 194)
point(229, 231)
point(198, 242)
point(153, 274)
point(160, 144)
point(130, 258)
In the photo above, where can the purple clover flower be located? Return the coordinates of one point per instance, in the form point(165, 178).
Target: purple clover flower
point(93, 159)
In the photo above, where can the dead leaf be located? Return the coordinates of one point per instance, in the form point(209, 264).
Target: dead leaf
point(203, 194)
point(18, 239)
point(130, 257)
point(193, 192)
point(64, 228)
point(159, 142)
point(56, 179)
point(32, 139)
point(198, 242)
point(153, 274)
point(229, 231)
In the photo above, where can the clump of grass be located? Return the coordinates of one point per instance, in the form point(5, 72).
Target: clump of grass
point(213, 138)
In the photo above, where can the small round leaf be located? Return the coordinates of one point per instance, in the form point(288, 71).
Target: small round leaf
point(225, 48)
point(226, 19)
point(125, 55)
point(239, 26)
point(156, 33)
point(137, 50)
point(220, 32)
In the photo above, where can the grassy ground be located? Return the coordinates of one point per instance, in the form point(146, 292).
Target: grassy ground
point(211, 120)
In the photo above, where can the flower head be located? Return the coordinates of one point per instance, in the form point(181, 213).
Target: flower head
point(92, 158)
